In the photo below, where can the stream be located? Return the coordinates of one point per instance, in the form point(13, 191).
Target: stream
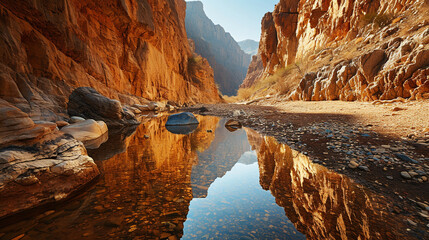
point(213, 183)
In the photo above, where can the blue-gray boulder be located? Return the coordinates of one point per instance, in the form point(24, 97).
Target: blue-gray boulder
point(182, 129)
point(180, 119)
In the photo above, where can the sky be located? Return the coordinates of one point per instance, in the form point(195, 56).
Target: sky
point(241, 18)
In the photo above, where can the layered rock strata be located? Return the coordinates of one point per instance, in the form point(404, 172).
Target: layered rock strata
point(126, 50)
point(38, 164)
point(389, 58)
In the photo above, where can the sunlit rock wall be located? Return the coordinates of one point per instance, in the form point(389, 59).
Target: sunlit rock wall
point(396, 65)
point(124, 49)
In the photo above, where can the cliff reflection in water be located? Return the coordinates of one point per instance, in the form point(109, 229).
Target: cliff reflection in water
point(320, 203)
point(149, 185)
point(149, 177)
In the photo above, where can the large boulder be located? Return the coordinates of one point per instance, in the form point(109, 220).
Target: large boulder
point(180, 119)
point(88, 131)
point(86, 102)
point(49, 170)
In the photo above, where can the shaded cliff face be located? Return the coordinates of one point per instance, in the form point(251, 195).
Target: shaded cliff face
point(320, 203)
point(249, 46)
point(121, 48)
point(225, 56)
point(349, 50)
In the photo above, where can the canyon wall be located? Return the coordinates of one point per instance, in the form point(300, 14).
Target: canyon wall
point(224, 54)
point(349, 50)
point(130, 50)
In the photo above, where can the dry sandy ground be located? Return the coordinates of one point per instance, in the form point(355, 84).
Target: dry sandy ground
point(395, 119)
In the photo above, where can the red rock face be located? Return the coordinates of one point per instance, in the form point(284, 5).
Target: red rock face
point(254, 72)
point(121, 48)
point(299, 29)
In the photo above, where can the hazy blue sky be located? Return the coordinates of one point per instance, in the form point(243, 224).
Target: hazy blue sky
point(241, 18)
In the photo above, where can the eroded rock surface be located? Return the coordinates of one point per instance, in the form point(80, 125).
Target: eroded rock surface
point(38, 164)
point(126, 50)
point(347, 50)
point(44, 172)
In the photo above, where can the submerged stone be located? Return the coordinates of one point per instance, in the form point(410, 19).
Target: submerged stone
point(181, 119)
point(182, 129)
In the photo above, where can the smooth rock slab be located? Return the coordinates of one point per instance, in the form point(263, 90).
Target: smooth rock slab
point(180, 119)
point(46, 172)
point(87, 130)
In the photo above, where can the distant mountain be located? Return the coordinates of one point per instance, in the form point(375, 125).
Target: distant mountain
point(249, 46)
point(224, 54)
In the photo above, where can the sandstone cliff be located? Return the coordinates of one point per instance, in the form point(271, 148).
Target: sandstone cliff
point(224, 54)
point(131, 51)
point(347, 50)
point(126, 50)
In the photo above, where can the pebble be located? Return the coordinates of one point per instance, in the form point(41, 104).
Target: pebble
point(424, 215)
point(364, 168)
point(389, 177)
point(353, 165)
point(405, 158)
point(405, 175)
point(411, 222)
point(423, 206)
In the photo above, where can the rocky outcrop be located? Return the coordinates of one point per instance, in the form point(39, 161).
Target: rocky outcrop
point(17, 126)
point(88, 103)
point(223, 53)
point(348, 50)
point(398, 69)
point(254, 73)
point(249, 46)
point(38, 164)
point(126, 50)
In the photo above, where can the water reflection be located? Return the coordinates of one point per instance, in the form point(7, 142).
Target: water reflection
point(150, 176)
point(322, 204)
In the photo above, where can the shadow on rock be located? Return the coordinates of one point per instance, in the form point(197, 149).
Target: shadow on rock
point(118, 139)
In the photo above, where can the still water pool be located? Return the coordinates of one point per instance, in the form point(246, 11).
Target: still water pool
point(210, 184)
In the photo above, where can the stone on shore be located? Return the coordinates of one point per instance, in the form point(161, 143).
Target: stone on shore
point(88, 103)
point(180, 119)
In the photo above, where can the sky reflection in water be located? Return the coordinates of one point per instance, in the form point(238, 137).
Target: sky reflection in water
point(236, 207)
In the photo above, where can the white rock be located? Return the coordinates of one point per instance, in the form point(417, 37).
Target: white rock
point(86, 130)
